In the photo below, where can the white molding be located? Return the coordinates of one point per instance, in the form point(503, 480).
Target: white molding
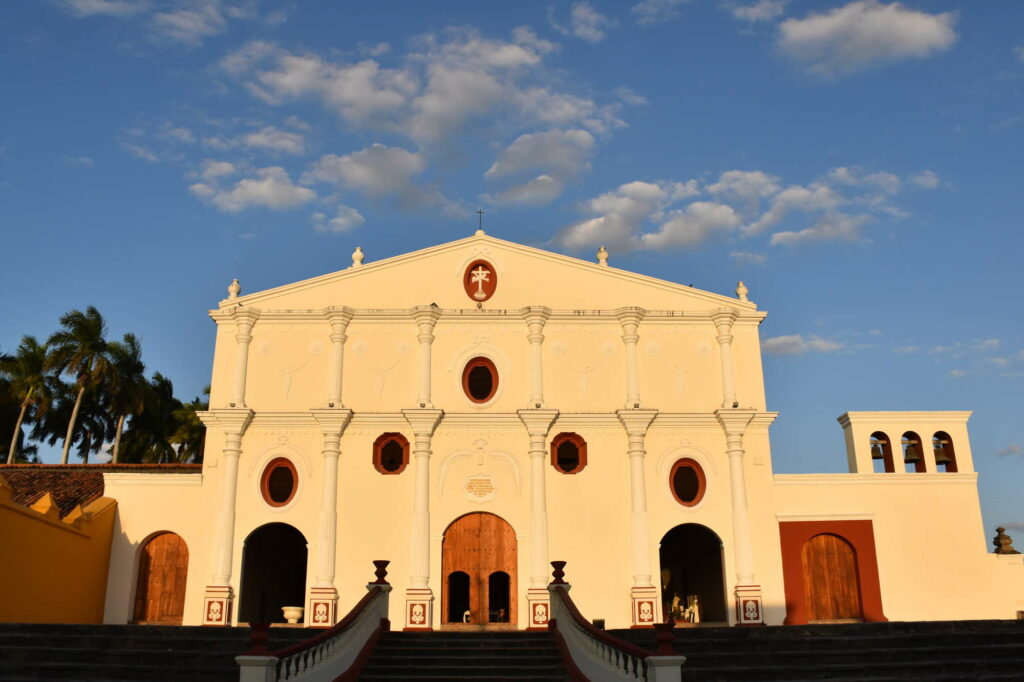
point(890, 417)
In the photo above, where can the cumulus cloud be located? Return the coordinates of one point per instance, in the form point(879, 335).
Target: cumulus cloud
point(856, 177)
point(957, 373)
point(864, 34)
point(271, 188)
point(212, 169)
point(649, 12)
point(114, 8)
point(184, 22)
point(926, 179)
point(559, 155)
point(691, 226)
point(141, 152)
point(762, 10)
point(832, 227)
point(796, 344)
point(748, 258)
point(276, 139)
point(585, 23)
point(814, 197)
point(345, 218)
point(747, 186)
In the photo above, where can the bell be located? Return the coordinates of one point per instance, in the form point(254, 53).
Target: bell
point(911, 456)
point(941, 457)
point(877, 451)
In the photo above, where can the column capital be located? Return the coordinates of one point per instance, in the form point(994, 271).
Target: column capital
point(538, 422)
point(535, 313)
point(234, 420)
point(724, 317)
point(734, 422)
point(423, 421)
point(636, 422)
point(244, 315)
point(338, 314)
point(332, 421)
point(425, 314)
point(630, 315)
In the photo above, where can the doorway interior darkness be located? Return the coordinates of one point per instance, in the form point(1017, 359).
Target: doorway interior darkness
point(478, 563)
point(691, 564)
point(273, 573)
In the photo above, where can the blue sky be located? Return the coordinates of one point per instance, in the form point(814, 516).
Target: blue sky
point(857, 164)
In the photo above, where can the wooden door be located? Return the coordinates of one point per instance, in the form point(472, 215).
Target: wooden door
point(831, 586)
point(163, 568)
point(479, 545)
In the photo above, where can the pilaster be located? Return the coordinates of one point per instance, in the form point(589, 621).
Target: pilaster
point(338, 317)
point(536, 316)
point(426, 317)
point(244, 319)
point(629, 318)
point(643, 594)
point(419, 598)
point(724, 319)
point(538, 423)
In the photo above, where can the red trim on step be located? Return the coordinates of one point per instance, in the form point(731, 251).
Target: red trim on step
point(352, 674)
point(575, 674)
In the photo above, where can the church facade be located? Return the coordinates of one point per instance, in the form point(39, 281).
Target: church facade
point(474, 410)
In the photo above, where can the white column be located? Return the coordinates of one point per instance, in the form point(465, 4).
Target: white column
point(339, 319)
point(419, 598)
point(426, 317)
point(244, 320)
point(323, 596)
point(538, 424)
point(630, 318)
point(535, 317)
point(644, 594)
point(723, 319)
point(749, 609)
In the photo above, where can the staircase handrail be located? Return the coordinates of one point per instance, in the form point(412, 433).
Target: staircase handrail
point(333, 654)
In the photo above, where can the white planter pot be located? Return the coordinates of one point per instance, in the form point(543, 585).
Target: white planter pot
point(292, 614)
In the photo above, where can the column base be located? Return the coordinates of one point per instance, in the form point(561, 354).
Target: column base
point(218, 601)
point(749, 605)
point(419, 609)
point(323, 607)
point(646, 607)
point(538, 599)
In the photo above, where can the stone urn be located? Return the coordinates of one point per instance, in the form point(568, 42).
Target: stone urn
point(292, 614)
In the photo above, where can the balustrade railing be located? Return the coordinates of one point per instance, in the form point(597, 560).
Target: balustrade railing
point(598, 656)
point(334, 654)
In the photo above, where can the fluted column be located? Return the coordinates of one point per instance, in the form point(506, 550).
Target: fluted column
point(749, 609)
point(630, 318)
point(244, 319)
point(339, 319)
point(323, 596)
point(724, 319)
point(643, 594)
point(426, 317)
point(219, 595)
point(419, 597)
point(536, 317)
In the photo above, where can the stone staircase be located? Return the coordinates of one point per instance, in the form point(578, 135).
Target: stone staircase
point(499, 656)
point(103, 653)
point(877, 652)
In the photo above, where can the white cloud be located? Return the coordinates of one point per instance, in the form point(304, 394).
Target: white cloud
point(180, 134)
point(345, 218)
point(746, 257)
point(216, 169)
point(630, 97)
point(561, 154)
point(979, 345)
point(276, 139)
point(141, 152)
point(692, 225)
point(903, 350)
point(271, 188)
point(863, 34)
point(83, 161)
point(831, 227)
point(747, 186)
point(795, 344)
point(957, 373)
point(585, 23)
point(538, 191)
point(650, 12)
point(114, 8)
point(926, 179)
point(1012, 449)
point(191, 23)
point(762, 10)
point(1019, 52)
point(855, 177)
point(814, 197)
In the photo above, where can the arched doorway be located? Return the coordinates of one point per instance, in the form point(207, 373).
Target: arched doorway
point(482, 547)
point(273, 573)
point(163, 569)
point(691, 566)
point(831, 586)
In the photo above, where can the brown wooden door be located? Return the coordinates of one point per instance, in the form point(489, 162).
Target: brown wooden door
point(479, 545)
point(163, 568)
point(831, 586)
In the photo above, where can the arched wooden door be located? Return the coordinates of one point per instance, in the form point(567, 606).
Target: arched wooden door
point(163, 569)
point(481, 545)
point(831, 585)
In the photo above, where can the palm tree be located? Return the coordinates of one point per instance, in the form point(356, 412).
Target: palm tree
point(148, 436)
point(26, 372)
point(126, 389)
point(80, 350)
point(190, 434)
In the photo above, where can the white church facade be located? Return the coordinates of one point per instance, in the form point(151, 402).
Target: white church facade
point(474, 410)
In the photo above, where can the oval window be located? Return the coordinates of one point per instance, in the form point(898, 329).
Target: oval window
point(279, 482)
point(569, 453)
point(480, 380)
point(687, 482)
point(390, 453)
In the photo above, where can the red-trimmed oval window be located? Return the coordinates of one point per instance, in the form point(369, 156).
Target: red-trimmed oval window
point(390, 453)
point(687, 482)
point(480, 380)
point(569, 453)
point(279, 482)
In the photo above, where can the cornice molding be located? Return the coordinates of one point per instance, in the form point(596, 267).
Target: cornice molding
point(891, 417)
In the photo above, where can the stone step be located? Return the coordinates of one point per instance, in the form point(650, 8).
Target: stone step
point(954, 652)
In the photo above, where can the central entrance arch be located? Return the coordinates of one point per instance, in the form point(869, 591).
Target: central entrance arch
point(691, 566)
point(273, 573)
point(478, 569)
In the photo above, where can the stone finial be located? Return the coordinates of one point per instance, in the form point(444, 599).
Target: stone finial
point(1003, 542)
point(480, 232)
point(357, 257)
point(742, 291)
point(234, 289)
point(602, 256)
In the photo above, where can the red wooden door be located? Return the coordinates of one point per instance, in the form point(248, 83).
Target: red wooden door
point(479, 544)
point(163, 568)
point(831, 586)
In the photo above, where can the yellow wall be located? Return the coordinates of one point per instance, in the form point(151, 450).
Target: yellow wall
point(53, 570)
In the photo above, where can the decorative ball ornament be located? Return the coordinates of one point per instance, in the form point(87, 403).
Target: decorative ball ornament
point(742, 291)
point(234, 289)
point(602, 256)
point(357, 257)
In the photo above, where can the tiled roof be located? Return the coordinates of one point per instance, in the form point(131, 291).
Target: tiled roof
point(73, 484)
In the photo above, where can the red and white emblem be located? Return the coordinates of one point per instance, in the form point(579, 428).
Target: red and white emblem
point(480, 280)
